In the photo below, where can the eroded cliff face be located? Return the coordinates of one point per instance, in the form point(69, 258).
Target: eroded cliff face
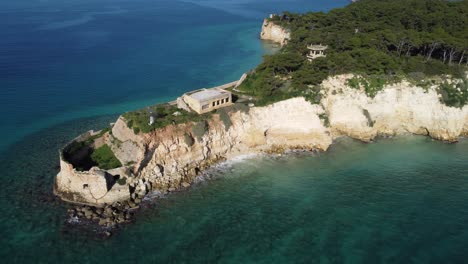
point(289, 124)
point(170, 158)
point(274, 33)
point(398, 109)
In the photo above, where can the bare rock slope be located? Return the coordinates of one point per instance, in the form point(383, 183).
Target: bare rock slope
point(275, 33)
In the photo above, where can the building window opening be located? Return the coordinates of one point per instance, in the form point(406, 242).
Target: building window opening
point(227, 100)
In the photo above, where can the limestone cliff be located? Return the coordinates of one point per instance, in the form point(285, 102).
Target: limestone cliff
point(275, 33)
point(398, 109)
point(169, 158)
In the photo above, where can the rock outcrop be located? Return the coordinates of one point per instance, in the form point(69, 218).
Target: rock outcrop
point(162, 160)
point(94, 187)
point(398, 109)
point(169, 158)
point(275, 33)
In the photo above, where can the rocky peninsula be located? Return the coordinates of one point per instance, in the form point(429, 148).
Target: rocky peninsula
point(164, 160)
point(169, 158)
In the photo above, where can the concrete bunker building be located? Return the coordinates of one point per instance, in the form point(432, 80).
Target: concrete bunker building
point(206, 100)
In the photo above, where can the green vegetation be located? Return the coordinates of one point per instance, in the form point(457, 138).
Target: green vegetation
point(164, 115)
point(188, 140)
point(372, 84)
point(224, 116)
point(381, 40)
point(129, 163)
point(101, 133)
point(76, 146)
point(78, 152)
point(105, 158)
point(324, 118)
point(366, 113)
point(122, 181)
point(199, 129)
point(237, 107)
point(454, 94)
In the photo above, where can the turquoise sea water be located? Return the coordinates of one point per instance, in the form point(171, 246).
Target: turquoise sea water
point(70, 66)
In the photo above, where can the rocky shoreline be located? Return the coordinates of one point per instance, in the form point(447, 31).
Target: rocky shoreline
point(170, 158)
point(109, 217)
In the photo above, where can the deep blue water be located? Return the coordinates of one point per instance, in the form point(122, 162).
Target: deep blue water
point(61, 61)
point(70, 66)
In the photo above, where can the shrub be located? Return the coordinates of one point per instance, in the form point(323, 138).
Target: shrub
point(375, 37)
point(199, 129)
point(163, 116)
point(122, 181)
point(354, 83)
point(224, 116)
point(105, 158)
point(372, 84)
point(313, 94)
point(324, 118)
point(366, 113)
point(454, 94)
point(74, 147)
point(188, 140)
point(241, 107)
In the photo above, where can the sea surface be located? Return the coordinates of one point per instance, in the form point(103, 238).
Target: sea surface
point(70, 66)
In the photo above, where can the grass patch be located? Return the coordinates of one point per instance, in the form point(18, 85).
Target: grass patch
point(105, 158)
point(372, 84)
point(163, 116)
point(78, 152)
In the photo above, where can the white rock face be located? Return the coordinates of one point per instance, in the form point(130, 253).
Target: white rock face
point(398, 109)
point(89, 187)
point(275, 33)
point(124, 143)
point(291, 122)
point(164, 161)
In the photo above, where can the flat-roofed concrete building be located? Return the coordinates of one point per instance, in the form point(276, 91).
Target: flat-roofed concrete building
point(206, 100)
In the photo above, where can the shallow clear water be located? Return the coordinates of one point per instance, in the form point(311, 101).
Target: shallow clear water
point(67, 67)
point(400, 200)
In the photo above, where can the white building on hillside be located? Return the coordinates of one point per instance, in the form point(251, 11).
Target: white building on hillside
point(316, 51)
point(206, 100)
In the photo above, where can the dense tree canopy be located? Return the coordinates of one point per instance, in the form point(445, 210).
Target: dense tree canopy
point(369, 37)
